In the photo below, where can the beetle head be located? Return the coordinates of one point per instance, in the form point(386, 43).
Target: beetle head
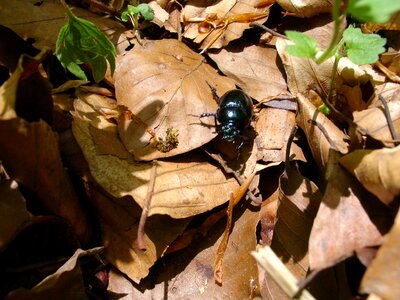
point(229, 131)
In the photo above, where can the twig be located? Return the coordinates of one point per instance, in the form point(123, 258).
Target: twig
point(386, 111)
point(147, 202)
point(273, 32)
point(325, 133)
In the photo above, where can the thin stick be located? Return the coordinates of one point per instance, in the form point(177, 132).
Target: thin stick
point(147, 202)
point(393, 132)
point(273, 32)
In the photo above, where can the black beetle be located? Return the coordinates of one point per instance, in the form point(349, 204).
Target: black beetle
point(233, 115)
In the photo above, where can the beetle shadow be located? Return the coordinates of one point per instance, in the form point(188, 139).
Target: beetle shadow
point(139, 126)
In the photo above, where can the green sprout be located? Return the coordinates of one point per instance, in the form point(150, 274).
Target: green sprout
point(79, 42)
point(134, 13)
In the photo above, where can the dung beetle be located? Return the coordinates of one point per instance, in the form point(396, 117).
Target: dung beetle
point(233, 115)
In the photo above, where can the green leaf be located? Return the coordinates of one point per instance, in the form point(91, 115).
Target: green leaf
point(132, 10)
point(377, 11)
point(362, 48)
point(125, 16)
point(146, 11)
point(80, 41)
point(304, 45)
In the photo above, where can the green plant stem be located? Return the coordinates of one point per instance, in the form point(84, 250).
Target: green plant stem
point(332, 45)
point(333, 77)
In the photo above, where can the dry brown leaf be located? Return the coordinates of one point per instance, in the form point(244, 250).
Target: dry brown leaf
point(274, 127)
point(13, 213)
point(66, 283)
point(304, 74)
point(305, 8)
point(184, 186)
point(119, 219)
point(349, 220)
point(43, 22)
point(373, 122)
point(377, 170)
point(223, 10)
point(320, 142)
point(166, 85)
point(188, 274)
point(383, 275)
point(254, 70)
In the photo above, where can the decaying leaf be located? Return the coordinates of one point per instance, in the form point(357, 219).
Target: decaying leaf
point(383, 274)
point(166, 85)
point(222, 22)
point(184, 186)
point(377, 170)
point(348, 220)
point(251, 69)
point(306, 8)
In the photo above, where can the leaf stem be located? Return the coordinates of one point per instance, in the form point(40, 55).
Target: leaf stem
point(332, 45)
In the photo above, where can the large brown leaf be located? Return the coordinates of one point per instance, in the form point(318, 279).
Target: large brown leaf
point(166, 85)
point(383, 274)
point(306, 8)
point(349, 220)
point(248, 67)
point(184, 186)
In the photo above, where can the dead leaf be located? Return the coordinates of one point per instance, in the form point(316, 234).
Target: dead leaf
point(248, 67)
point(119, 219)
point(166, 85)
point(222, 11)
point(188, 274)
point(274, 127)
point(304, 74)
point(66, 283)
point(31, 156)
point(184, 186)
point(320, 141)
point(13, 213)
point(392, 24)
point(382, 275)
point(305, 8)
point(377, 170)
point(348, 220)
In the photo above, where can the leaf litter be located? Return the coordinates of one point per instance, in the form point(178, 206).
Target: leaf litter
point(157, 180)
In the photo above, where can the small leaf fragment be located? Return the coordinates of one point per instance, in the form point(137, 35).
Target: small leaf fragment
point(304, 45)
point(363, 48)
point(146, 11)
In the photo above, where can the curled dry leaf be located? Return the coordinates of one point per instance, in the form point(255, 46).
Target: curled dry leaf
point(184, 186)
point(373, 122)
point(304, 74)
point(230, 17)
point(377, 170)
point(305, 8)
point(251, 69)
point(349, 220)
point(166, 85)
point(322, 134)
point(13, 213)
point(383, 274)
